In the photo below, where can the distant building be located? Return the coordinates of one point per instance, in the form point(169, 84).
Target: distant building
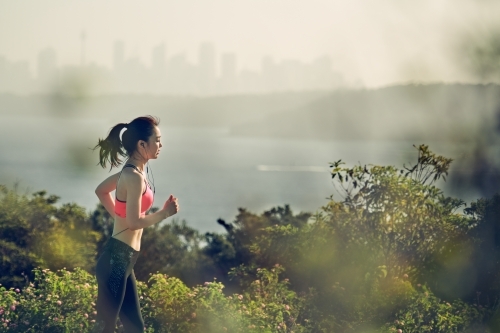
point(158, 72)
point(272, 75)
point(47, 65)
point(181, 78)
point(206, 66)
point(118, 54)
point(228, 80)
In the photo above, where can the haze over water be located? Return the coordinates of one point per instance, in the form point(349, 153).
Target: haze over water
point(211, 172)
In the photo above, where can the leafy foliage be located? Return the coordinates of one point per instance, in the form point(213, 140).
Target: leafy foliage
point(64, 301)
point(34, 232)
point(356, 265)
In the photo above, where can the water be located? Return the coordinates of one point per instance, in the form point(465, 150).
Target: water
point(211, 172)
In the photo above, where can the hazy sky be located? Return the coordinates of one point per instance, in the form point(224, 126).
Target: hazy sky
point(379, 42)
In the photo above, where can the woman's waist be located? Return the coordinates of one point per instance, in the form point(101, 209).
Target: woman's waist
point(123, 244)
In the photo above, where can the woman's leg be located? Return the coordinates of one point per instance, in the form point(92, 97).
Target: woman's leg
point(111, 282)
point(130, 313)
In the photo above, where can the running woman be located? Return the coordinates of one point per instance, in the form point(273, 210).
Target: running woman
point(117, 290)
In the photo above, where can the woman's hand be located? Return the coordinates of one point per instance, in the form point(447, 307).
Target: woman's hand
point(171, 206)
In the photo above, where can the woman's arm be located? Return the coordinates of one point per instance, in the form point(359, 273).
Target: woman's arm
point(134, 193)
point(103, 192)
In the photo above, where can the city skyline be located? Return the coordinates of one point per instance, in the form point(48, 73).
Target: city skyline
point(377, 44)
point(211, 73)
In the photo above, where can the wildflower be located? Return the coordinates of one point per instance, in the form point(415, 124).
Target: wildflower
point(405, 276)
point(94, 313)
point(17, 290)
point(13, 307)
point(193, 315)
point(240, 297)
point(55, 319)
point(85, 315)
point(287, 307)
point(206, 283)
point(59, 302)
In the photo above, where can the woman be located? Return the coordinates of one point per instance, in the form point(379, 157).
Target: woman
point(117, 290)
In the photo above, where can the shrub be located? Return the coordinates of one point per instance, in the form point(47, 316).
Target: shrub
point(64, 301)
point(60, 301)
point(427, 313)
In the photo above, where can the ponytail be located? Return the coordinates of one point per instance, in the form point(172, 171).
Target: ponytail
point(140, 128)
point(111, 147)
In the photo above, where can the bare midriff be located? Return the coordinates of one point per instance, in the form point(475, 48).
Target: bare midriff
point(130, 237)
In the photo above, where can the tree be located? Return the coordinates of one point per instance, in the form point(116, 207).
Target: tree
point(34, 232)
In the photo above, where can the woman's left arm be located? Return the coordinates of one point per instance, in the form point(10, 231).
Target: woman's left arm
point(103, 192)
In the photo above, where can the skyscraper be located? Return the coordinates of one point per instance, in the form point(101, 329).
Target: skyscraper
point(118, 54)
point(206, 61)
point(228, 82)
point(157, 75)
point(158, 63)
point(46, 65)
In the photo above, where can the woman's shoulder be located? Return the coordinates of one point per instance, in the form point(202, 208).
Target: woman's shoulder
point(130, 175)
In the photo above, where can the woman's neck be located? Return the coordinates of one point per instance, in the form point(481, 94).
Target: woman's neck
point(138, 162)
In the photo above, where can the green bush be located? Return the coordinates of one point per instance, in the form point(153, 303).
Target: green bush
point(64, 301)
point(60, 301)
point(34, 232)
point(427, 313)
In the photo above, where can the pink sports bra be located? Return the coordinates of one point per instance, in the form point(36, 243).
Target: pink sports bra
point(146, 199)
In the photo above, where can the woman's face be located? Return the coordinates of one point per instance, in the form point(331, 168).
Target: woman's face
point(154, 145)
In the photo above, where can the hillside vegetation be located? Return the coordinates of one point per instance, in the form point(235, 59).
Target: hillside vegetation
point(394, 255)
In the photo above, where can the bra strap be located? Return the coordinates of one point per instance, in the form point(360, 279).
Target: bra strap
point(119, 232)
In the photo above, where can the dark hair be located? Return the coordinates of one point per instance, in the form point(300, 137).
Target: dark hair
point(140, 128)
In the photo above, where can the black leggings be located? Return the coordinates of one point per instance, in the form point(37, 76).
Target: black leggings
point(117, 289)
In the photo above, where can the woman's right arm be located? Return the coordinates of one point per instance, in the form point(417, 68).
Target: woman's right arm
point(103, 192)
point(134, 195)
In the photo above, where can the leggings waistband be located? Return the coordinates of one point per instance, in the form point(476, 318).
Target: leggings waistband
point(115, 245)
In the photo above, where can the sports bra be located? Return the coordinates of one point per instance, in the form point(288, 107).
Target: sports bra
point(146, 199)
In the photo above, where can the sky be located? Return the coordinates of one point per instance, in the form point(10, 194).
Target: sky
point(377, 43)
